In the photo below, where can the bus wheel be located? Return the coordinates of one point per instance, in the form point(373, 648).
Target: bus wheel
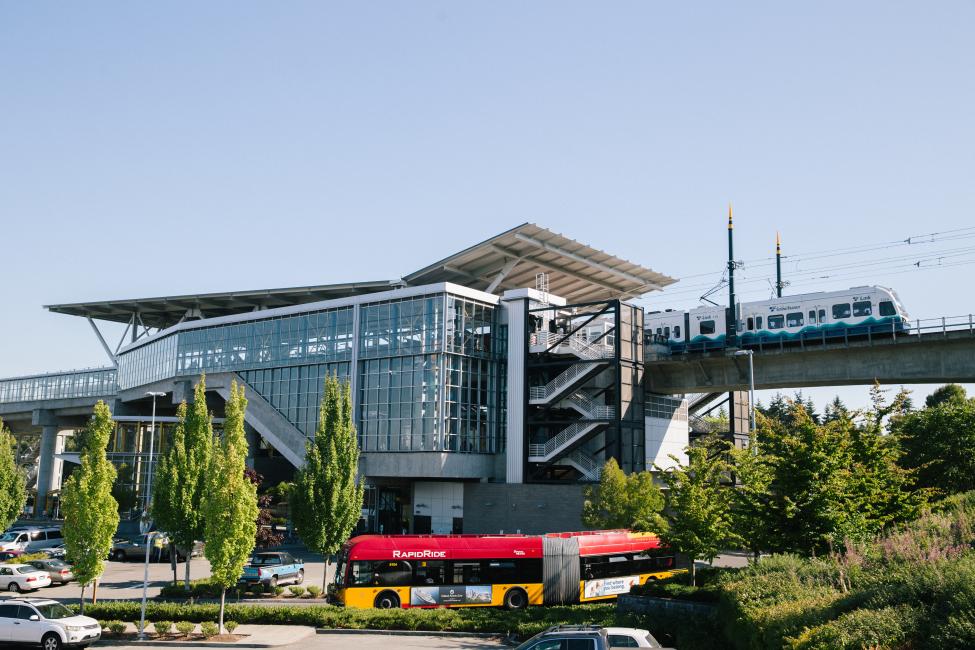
point(386, 600)
point(515, 599)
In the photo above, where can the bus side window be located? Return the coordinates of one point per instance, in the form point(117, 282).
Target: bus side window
point(707, 327)
point(751, 323)
point(467, 573)
point(676, 331)
point(887, 308)
point(429, 573)
point(841, 311)
point(862, 308)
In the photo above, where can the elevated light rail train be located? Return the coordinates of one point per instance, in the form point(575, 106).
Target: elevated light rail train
point(821, 316)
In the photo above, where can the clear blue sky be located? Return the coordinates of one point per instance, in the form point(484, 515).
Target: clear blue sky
point(165, 148)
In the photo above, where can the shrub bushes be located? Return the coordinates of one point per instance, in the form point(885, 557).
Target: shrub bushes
point(185, 628)
point(296, 590)
point(208, 629)
point(314, 590)
point(163, 627)
point(116, 627)
point(230, 626)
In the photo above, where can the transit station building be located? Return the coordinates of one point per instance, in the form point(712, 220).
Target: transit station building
point(489, 387)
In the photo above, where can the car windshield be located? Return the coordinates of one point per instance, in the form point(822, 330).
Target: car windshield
point(54, 610)
point(26, 569)
point(530, 641)
point(8, 537)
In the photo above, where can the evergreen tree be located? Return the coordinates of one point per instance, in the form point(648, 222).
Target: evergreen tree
point(778, 408)
point(13, 490)
point(698, 505)
point(90, 511)
point(939, 445)
point(624, 501)
point(326, 500)
point(949, 393)
point(836, 410)
point(229, 501)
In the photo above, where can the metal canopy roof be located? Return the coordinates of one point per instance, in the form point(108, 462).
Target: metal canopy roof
point(510, 260)
point(166, 311)
point(576, 272)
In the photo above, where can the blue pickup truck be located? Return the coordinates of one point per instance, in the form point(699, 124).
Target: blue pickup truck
point(273, 569)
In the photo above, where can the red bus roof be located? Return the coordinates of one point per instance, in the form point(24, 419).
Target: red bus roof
point(443, 547)
point(459, 547)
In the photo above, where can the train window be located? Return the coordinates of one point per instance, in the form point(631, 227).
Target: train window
point(794, 319)
point(887, 308)
point(862, 308)
point(822, 315)
point(660, 331)
point(667, 332)
point(676, 331)
point(812, 316)
point(776, 322)
point(841, 311)
point(751, 323)
point(707, 327)
point(758, 322)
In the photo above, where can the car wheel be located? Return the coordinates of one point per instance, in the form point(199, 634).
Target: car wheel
point(386, 600)
point(13, 586)
point(51, 641)
point(300, 577)
point(515, 599)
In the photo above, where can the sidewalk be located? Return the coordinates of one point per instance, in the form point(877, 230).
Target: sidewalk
point(254, 636)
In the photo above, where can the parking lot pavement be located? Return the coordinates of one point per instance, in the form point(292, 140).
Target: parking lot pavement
point(380, 642)
point(123, 580)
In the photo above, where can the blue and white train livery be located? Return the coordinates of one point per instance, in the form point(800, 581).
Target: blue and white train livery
point(860, 311)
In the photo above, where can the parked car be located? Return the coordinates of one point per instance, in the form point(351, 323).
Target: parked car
point(10, 555)
point(135, 548)
point(22, 577)
point(273, 569)
point(47, 623)
point(59, 571)
point(57, 552)
point(589, 637)
point(630, 637)
point(31, 540)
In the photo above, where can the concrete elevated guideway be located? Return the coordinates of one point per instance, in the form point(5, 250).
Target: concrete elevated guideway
point(934, 353)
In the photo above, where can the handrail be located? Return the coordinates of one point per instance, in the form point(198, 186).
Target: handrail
point(576, 343)
point(566, 378)
point(563, 438)
point(91, 382)
point(589, 408)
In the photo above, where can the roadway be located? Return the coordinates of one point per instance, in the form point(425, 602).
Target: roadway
point(378, 642)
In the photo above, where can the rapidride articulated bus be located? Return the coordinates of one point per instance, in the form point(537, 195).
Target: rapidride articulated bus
point(513, 571)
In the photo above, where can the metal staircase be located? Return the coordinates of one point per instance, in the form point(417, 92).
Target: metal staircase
point(583, 462)
point(572, 435)
point(567, 380)
point(574, 344)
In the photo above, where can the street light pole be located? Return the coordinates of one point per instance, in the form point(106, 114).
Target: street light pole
point(751, 383)
point(146, 523)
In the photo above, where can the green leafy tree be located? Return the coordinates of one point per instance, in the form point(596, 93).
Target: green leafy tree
point(836, 410)
point(949, 393)
point(624, 501)
point(698, 504)
point(751, 496)
point(230, 501)
point(325, 499)
point(938, 443)
point(13, 490)
point(172, 497)
point(90, 511)
point(181, 477)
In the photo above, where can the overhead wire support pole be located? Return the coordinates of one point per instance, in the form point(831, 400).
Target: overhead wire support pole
point(778, 265)
point(732, 319)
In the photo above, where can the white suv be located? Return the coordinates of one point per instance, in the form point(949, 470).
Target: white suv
point(44, 622)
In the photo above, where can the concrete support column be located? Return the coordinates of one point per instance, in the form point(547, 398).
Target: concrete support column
point(515, 450)
point(45, 470)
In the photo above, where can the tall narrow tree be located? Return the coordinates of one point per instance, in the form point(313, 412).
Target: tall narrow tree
point(172, 498)
point(13, 491)
point(326, 500)
point(230, 501)
point(90, 511)
point(698, 505)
